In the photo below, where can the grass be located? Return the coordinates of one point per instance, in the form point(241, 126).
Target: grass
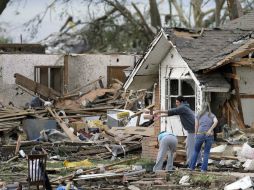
point(203, 179)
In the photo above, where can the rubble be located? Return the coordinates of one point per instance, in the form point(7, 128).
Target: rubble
point(98, 140)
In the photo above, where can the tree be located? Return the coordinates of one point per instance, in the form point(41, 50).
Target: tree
point(3, 4)
point(234, 9)
point(124, 27)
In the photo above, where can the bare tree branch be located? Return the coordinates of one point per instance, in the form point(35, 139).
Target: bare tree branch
point(123, 11)
point(218, 8)
point(154, 14)
point(3, 4)
point(181, 15)
point(234, 9)
point(197, 12)
point(148, 29)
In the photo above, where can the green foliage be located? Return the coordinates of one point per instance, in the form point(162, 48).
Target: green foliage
point(110, 36)
point(4, 40)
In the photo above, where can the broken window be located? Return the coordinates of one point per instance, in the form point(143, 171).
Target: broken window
point(177, 87)
point(188, 87)
point(50, 76)
point(174, 87)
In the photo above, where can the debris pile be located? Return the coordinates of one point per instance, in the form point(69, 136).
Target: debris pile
point(94, 139)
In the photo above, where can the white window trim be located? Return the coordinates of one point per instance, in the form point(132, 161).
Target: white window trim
point(167, 91)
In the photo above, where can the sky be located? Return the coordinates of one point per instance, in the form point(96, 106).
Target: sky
point(21, 11)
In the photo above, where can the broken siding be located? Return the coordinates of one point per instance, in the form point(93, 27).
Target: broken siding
point(246, 87)
point(88, 67)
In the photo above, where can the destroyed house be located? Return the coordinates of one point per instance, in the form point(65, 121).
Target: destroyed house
point(61, 73)
point(214, 65)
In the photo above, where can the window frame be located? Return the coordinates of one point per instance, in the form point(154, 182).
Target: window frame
point(37, 75)
point(168, 96)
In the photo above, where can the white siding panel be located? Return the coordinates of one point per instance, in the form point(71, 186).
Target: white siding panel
point(248, 111)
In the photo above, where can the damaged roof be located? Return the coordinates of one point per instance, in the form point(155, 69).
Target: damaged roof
point(145, 73)
point(245, 22)
point(209, 48)
point(213, 45)
point(205, 50)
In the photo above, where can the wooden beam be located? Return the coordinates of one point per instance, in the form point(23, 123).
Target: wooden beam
point(61, 123)
point(150, 107)
point(249, 62)
point(237, 54)
point(21, 113)
point(36, 87)
point(27, 91)
point(250, 96)
point(237, 93)
point(228, 117)
point(18, 145)
point(235, 114)
point(12, 118)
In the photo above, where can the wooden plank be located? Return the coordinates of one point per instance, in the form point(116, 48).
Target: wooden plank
point(132, 138)
point(237, 93)
point(244, 62)
point(24, 113)
point(36, 87)
point(18, 145)
point(12, 118)
point(235, 114)
point(29, 92)
point(239, 53)
point(150, 107)
point(250, 96)
point(143, 131)
point(65, 128)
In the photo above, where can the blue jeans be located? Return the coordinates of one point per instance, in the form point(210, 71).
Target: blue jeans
point(199, 140)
